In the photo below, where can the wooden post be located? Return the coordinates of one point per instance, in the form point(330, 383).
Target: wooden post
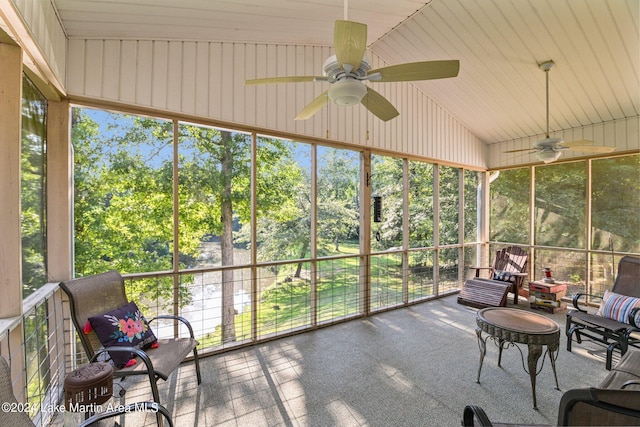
point(59, 192)
point(10, 130)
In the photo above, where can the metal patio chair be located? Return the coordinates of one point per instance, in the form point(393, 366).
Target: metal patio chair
point(98, 294)
point(579, 407)
point(18, 418)
point(615, 334)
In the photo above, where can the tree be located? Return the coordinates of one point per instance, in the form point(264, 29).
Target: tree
point(386, 178)
point(124, 197)
point(560, 200)
point(214, 191)
point(448, 216)
point(615, 193)
point(471, 186)
point(420, 205)
point(123, 204)
point(338, 196)
point(509, 194)
point(32, 189)
point(283, 204)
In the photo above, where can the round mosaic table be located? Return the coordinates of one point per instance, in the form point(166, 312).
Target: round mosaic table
point(511, 326)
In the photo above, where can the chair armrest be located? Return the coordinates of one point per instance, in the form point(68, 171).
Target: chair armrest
point(138, 352)
point(173, 317)
point(576, 302)
point(477, 269)
point(630, 382)
point(125, 409)
point(597, 398)
point(472, 412)
point(632, 317)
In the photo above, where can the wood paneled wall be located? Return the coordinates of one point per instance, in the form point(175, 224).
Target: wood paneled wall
point(206, 79)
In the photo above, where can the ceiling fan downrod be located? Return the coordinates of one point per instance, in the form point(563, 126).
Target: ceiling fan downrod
point(546, 66)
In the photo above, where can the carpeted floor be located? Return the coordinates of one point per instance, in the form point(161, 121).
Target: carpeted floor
point(414, 366)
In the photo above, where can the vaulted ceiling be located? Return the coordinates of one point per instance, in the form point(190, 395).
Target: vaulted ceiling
point(500, 91)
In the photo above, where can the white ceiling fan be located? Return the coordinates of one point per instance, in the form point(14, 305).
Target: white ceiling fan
point(550, 149)
point(348, 68)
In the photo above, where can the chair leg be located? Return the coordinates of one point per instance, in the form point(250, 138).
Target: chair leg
point(569, 333)
point(575, 329)
point(197, 363)
point(156, 398)
point(610, 349)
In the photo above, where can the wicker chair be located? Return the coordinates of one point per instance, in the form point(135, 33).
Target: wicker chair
point(11, 418)
point(98, 294)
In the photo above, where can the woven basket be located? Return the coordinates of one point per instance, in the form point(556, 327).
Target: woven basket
point(90, 384)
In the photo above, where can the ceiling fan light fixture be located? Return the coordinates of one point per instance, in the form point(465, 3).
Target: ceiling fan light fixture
point(348, 68)
point(347, 92)
point(548, 155)
point(547, 143)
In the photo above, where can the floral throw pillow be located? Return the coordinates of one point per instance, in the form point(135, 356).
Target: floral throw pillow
point(124, 327)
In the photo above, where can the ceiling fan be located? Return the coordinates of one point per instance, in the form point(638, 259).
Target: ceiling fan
point(549, 149)
point(348, 68)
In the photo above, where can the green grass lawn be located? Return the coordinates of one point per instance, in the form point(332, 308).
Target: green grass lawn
point(286, 304)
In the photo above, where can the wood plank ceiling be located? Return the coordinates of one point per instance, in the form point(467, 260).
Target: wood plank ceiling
point(500, 92)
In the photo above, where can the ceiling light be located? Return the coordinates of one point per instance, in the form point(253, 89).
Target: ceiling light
point(548, 155)
point(347, 92)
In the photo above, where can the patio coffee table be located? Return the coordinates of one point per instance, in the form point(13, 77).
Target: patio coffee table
point(511, 326)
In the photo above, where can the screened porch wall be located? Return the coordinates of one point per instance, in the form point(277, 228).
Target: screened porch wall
point(206, 80)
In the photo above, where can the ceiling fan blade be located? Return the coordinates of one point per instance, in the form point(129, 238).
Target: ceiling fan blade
point(379, 105)
point(521, 150)
point(314, 106)
point(350, 41)
point(574, 143)
point(590, 148)
point(585, 146)
point(414, 71)
point(290, 79)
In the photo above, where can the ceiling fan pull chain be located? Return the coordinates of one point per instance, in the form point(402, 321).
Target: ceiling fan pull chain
point(328, 121)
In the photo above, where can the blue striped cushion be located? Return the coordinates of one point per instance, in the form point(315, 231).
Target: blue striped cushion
point(617, 307)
